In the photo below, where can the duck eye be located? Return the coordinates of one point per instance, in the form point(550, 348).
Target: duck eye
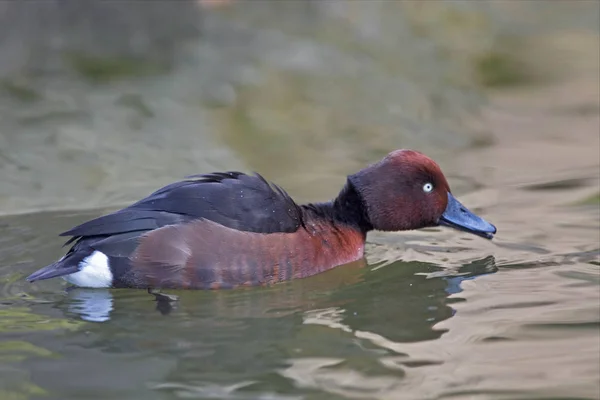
point(428, 187)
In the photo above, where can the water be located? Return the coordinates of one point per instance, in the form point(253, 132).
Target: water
point(429, 314)
point(434, 315)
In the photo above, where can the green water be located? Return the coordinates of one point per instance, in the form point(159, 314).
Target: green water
point(458, 323)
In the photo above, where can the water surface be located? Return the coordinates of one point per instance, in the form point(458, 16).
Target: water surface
point(435, 314)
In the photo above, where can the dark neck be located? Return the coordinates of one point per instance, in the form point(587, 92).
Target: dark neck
point(347, 209)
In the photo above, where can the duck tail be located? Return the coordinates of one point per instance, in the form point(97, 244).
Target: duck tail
point(64, 266)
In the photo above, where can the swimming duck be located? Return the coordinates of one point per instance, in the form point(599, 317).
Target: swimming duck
point(229, 229)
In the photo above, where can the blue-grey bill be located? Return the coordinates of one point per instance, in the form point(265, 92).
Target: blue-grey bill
point(459, 217)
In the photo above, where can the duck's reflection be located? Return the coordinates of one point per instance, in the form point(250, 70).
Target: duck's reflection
point(469, 272)
point(90, 305)
point(364, 294)
point(247, 335)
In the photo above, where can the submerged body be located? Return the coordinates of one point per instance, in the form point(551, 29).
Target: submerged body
point(225, 230)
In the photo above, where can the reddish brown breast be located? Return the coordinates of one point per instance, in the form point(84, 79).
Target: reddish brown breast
point(206, 255)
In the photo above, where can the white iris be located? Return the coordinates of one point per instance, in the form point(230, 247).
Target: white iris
point(428, 187)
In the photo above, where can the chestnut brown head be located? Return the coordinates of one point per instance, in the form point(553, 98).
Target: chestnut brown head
point(407, 190)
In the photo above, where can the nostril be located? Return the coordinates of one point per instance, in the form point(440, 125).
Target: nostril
point(462, 209)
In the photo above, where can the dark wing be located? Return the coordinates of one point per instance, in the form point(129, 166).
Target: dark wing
point(232, 199)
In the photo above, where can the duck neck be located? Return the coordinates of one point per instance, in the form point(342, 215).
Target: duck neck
point(346, 209)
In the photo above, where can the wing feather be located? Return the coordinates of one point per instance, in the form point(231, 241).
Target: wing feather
point(232, 199)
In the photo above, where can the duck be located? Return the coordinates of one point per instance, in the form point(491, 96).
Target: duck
point(224, 230)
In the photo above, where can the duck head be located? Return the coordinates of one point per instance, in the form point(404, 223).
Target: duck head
point(407, 190)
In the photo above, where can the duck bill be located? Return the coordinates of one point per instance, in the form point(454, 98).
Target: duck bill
point(459, 217)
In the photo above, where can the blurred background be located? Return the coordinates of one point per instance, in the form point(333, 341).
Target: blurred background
point(102, 102)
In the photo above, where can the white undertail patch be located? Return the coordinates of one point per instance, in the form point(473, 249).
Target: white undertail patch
point(94, 273)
